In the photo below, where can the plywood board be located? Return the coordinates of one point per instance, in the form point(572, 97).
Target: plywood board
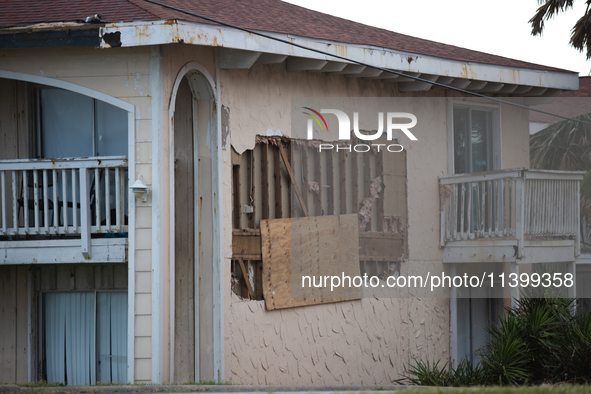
point(314, 246)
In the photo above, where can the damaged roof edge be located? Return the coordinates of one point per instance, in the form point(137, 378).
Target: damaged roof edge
point(172, 31)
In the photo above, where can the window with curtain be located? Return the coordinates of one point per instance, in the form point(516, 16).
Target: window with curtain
point(473, 140)
point(85, 337)
point(474, 316)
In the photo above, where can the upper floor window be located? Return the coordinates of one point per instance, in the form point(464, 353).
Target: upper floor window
point(74, 125)
point(475, 136)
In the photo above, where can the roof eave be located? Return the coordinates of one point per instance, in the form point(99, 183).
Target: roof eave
point(246, 49)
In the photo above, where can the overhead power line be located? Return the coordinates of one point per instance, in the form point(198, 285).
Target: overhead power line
point(434, 83)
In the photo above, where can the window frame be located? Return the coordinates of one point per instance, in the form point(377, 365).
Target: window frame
point(41, 352)
point(495, 109)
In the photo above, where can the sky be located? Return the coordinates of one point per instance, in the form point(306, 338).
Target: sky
point(499, 27)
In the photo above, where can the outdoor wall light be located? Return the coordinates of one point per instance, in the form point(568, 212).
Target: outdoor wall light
point(139, 188)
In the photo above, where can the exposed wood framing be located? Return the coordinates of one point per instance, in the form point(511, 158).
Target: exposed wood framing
point(343, 181)
point(366, 179)
point(250, 171)
point(265, 180)
point(236, 209)
point(318, 178)
point(245, 276)
point(355, 179)
point(330, 194)
point(380, 202)
point(341, 178)
point(293, 182)
point(277, 182)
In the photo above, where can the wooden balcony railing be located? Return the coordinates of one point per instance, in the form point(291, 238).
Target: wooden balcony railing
point(41, 198)
point(516, 204)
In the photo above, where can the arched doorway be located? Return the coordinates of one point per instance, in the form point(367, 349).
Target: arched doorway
point(194, 126)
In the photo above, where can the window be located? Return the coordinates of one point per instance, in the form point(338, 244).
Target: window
point(476, 141)
point(85, 337)
point(474, 316)
point(476, 148)
point(473, 311)
point(74, 125)
point(583, 280)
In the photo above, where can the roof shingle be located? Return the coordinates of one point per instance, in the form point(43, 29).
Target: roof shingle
point(266, 15)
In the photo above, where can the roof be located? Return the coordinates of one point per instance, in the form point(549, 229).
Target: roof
point(265, 15)
point(584, 89)
point(568, 103)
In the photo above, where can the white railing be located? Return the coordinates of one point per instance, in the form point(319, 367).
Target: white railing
point(515, 204)
point(48, 197)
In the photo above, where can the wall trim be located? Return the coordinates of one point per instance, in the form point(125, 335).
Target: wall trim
point(156, 136)
point(218, 323)
point(68, 86)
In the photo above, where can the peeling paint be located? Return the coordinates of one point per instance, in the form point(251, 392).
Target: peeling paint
point(137, 84)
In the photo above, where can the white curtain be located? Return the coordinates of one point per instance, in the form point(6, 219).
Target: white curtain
point(69, 338)
point(55, 337)
point(112, 337)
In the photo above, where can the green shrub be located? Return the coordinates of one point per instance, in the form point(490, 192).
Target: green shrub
point(426, 374)
point(539, 341)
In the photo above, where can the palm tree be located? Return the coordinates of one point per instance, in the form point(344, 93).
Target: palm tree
point(581, 31)
point(566, 146)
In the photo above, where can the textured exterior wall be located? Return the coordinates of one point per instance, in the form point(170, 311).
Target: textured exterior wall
point(357, 342)
point(123, 73)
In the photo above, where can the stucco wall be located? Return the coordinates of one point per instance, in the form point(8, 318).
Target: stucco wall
point(360, 342)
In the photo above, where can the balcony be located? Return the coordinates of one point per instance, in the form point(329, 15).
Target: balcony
point(63, 210)
point(516, 215)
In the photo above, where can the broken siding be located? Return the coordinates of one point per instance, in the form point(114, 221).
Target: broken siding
point(300, 345)
point(353, 342)
point(321, 186)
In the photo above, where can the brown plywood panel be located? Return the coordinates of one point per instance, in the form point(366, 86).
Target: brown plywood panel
point(314, 246)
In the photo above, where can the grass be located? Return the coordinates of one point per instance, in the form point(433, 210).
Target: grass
point(101, 389)
point(205, 383)
point(543, 389)
point(40, 384)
